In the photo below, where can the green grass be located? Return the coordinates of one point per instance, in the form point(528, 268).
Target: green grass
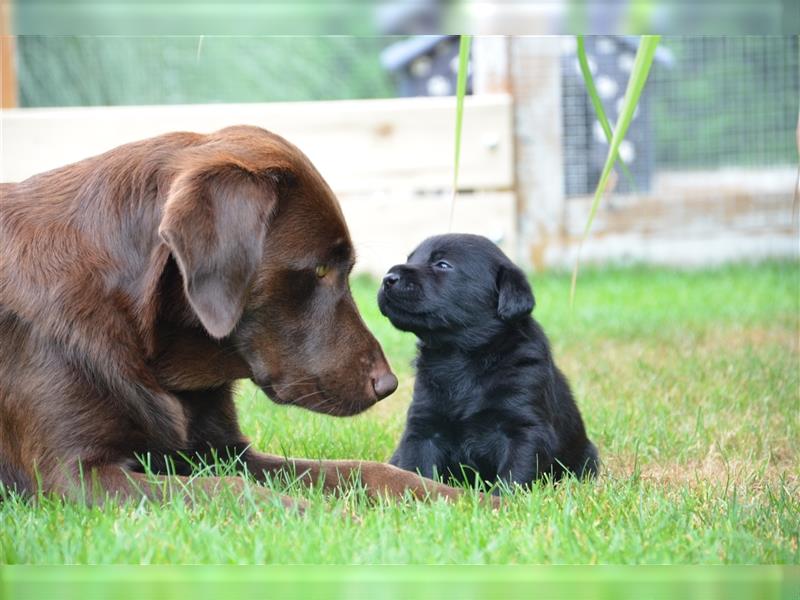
point(688, 383)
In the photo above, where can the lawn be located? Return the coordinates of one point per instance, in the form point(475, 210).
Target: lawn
point(689, 383)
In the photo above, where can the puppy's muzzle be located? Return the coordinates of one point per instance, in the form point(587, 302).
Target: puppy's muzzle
point(401, 284)
point(390, 279)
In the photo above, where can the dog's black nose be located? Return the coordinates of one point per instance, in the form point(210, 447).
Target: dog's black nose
point(390, 279)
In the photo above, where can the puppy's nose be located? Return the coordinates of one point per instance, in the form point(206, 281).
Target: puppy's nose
point(390, 279)
point(384, 384)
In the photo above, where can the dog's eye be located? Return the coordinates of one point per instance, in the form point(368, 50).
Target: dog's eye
point(322, 270)
point(443, 265)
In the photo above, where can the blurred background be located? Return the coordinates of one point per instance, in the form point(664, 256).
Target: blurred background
point(712, 151)
point(687, 377)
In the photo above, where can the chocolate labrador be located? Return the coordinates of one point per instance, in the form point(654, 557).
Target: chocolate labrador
point(489, 402)
point(136, 286)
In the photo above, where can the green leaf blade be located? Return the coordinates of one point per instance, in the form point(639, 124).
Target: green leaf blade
point(597, 104)
point(636, 82)
point(465, 41)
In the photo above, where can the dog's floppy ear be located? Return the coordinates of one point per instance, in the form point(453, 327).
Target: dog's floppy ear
point(514, 295)
point(215, 223)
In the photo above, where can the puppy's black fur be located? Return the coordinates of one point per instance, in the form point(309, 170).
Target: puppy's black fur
point(489, 402)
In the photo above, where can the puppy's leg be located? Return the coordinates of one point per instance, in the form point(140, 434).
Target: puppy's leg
point(528, 459)
point(419, 456)
point(589, 464)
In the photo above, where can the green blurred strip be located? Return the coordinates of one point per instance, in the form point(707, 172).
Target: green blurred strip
point(594, 96)
point(641, 69)
point(465, 42)
point(377, 582)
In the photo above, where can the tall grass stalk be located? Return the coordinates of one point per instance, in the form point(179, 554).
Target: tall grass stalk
point(638, 78)
point(465, 42)
point(594, 96)
point(639, 73)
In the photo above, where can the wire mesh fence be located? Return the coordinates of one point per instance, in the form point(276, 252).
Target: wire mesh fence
point(710, 103)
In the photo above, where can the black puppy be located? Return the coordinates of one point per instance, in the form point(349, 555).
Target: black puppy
point(489, 402)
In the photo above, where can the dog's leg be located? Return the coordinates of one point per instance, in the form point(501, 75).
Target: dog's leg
point(380, 480)
point(213, 426)
point(98, 343)
point(97, 485)
point(13, 480)
point(212, 433)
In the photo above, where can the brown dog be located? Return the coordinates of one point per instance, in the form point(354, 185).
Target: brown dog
point(138, 285)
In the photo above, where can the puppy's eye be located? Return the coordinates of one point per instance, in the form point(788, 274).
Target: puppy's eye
point(443, 265)
point(322, 270)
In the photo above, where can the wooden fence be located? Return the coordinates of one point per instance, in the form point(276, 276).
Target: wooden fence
point(390, 162)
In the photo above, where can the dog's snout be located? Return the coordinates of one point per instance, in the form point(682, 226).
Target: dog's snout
point(384, 384)
point(390, 279)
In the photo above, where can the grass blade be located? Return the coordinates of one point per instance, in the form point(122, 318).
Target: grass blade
point(638, 78)
point(461, 89)
point(594, 96)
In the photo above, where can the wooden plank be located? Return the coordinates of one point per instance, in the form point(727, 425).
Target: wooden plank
point(8, 70)
point(490, 74)
point(681, 249)
point(692, 218)
point(358, 145)
point(735, 200)
point(385, 228)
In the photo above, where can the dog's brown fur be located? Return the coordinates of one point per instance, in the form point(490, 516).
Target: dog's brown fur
point(138, 285)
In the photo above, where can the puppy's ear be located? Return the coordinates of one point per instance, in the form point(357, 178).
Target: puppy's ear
point(215, 223)
point(514, 295)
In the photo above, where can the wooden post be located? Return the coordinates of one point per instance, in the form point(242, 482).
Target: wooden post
point(490, 75)
point(490, 65)
point(8, 69)
point(535, 67)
